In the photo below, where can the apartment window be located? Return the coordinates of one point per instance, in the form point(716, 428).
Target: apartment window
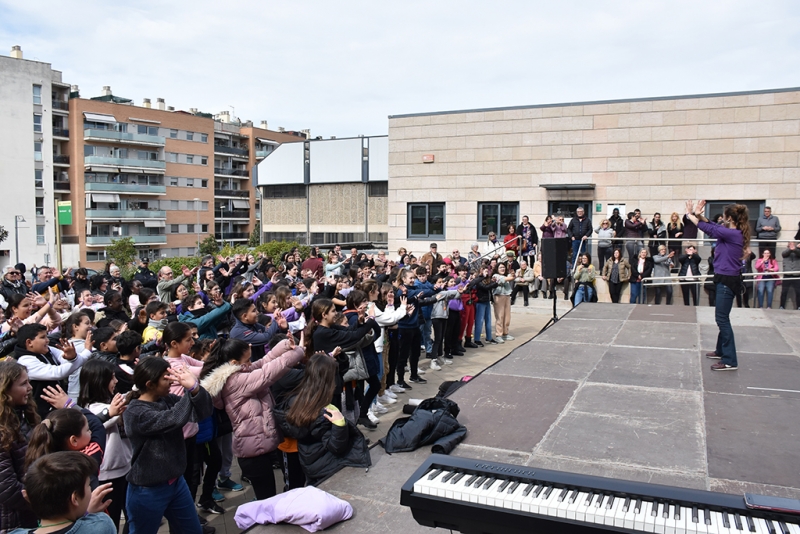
point(173, 205)
point(96, 256)
point(203, 161)
point(190, 136)
point(496, 217)
point(173, 134)
point(173, 182)
point(425, 220)
point(37, 123)
point(37, 179)
point(190, 205)
point(204, 206)
point(40, 206)
point(40, 234)
point(189, 159)
point(379, 189)
point(174, 228)
point(37, 94)
point(203, 183)
point(283, 191)
point(190, 228)
point(172, 157)
point(204, 228)
point(190, 182)
point(88, 150)
point(37, 151)
point(204, 138)
point(147, 130)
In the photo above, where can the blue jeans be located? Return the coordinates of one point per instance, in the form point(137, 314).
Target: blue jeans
point(577, 245)
point(726, 345)
point(583, 294)
point(148, 504)
point(638, 293)
point(769, 286)
point(483, 316)
point(425, 332)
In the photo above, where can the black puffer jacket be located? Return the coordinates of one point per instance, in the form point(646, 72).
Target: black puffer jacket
point(7, 289)
point(14, 509)
point(433, 422)
point(325, 448)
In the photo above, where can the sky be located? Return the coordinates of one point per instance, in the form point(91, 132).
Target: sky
point(341, 68)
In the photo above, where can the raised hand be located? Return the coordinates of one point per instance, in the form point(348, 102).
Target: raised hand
point(117, 405)
point(332, 414)
point(283, 324)
point(182, 376)
point(67, 348)
point(55, 396)
point(96, 503)
point(88, 342)
point(699, 209)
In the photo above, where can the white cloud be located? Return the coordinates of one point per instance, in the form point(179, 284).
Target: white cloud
point(342, 68)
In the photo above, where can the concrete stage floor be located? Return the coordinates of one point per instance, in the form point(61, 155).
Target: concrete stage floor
point(621, 391)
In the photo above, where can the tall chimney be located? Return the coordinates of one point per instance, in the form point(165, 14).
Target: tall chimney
point(106, 90)
point(264, 125)
point(225, 116)
point(146, 103)
point(16, 52)
point(160, 103)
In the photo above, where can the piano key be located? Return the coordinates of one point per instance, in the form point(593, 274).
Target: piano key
point(458, 477)
point(548, 491)
point(630, 516)
point(706, 516)
point(434, 474)
point(737, 521)
point(660, 520)
point(726, 520)
point(549, 502)
point(770, 526)
point(573, 496)
point(627, 504)
point(670, 523)
point(615, 513)
point(783, 527)
point(650, 516)
point(449, 476)
point(528, 489)
point(793, 528)
point(513, 488)
point(480, 481)
point(638, 506)
point(682, 515)
point(716, 524)
point(665, 510)
point(470, 480)
point(695, 515)
point(598, 503)
point(576, 507)
point(589, 498)
point(610, 502)
point(562, 495)
point(539, 489)
point(593, 509)
point(751, 526)
point(503, 485)
point(562, 504)
point(640, 512)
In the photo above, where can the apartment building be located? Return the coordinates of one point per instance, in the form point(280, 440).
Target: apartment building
point(34, 134)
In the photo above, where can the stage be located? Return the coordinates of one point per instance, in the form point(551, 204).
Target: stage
point(621, 391)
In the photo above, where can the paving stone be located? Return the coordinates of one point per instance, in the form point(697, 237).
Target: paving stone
point(594, 332)
point(758, 375)
point(666, 314)
point(491, 454)
point(544, 359)
point(658, 368)
point(510, 412)
point(736, 487)
point(600, 310)
point(748, 339)
point(739, 317)
point(657, 334)
point(792, 334)
point(753, 439)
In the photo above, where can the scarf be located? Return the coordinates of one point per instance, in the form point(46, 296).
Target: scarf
point(158, 325)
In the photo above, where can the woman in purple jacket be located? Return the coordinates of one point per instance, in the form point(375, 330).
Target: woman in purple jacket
point(733, 243)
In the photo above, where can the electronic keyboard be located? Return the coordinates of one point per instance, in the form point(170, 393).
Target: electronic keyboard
point(478, 497)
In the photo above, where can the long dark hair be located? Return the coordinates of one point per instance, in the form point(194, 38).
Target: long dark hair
point(740, 216)
point(315, 390)
point(95, 376)
point(148, 370)
point(174, 331)
point(52, 433)
point(10, 425)
point(224, 351)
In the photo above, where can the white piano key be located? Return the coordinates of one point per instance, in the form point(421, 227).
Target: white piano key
point(436, 485)
point(671, 524)
point(650, 516)
point(515, 499)
point(713, 528)
point(639, 517)
point(574, 509)
point(685, 515)
point(527, 502)
point(794, 528)
point(550, 503)
point(720, 525)
point(562, 504)
point(487, 495)
point(630, 516)
point(611, 513)
point(660, 521)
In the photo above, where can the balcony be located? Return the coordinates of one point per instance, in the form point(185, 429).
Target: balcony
point(261, 154)
point(234, 214)
point(125, 214)
point(60, 132)
point(221, 149)
point(231, 236)
point(61, 186)
point(61, 160)
point(91, 134)
point(60, 105)
point(98, 241)
point(125, 189)
point(231, 172)
point(125, 162)
point(231, 193)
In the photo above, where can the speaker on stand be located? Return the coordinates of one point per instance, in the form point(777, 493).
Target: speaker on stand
point(554, 265)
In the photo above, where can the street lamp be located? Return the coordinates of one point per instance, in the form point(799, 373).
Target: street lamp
point(197, 226)
point(17, 219)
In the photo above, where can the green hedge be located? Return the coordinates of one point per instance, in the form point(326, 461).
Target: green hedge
point(273, 249)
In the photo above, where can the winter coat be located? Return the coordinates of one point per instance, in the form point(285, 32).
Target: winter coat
point(206, 323)
point(257, 335)
point(366, 346)
point(244, 393)
point(118, 450)
point(647, 270)
point(579, 228)
point(484, 291)
point(324, 448)
point(624, 269)
point(7, 289)
point(662, 265)
point(14, 509)
point(433, 422)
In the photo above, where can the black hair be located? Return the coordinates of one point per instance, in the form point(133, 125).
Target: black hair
point(241, 306)
point(308, 282)
point(149, 370)
point(90, 313)
point(154, 307)
point(29, 332)
point(95, 376)
point(53, 433)
point(127, 342)
point(103, 335)
point(224, 351)
point(52, 480)
point(109, 296)
point(72, 321)
point(145, 294)
point(189, 301)
point(14, 301)
point(175, 331)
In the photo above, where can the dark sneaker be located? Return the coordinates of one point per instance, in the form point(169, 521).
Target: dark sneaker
point(211, 508)
point(478, 343)
point(208, 529)
point(470, 345)
point(493, 341)
point(713, 356)
point(417, 380)
point(229, 485)
point(404, 386)
point(719, 366)
point(366, 423)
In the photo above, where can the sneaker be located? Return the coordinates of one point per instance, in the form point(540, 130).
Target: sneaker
point(367, 423)
point(719, 366)
point(713, 356)
point(211, 508)
point(372, 417)
point(217, 496)
point(492, 341)
point(245, 479)
point(389, 393)
point(417, 380)
point(509, 337)
point(396, 388)
point(378, 408)
point(435, 366)
point(383, 399)
point(403, 387)
point(229, 485)
point(448, 361)
point(419, 371)
point(478, 343)
point(470, 345)
point(208, 529)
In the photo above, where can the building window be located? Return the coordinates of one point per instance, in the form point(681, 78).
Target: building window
point(173, 134)
point(425, 220)
point(284, 191)
point(189, 159)
point(204, 138)
point(496, 217)
point(172, 157)
point(40, 234)
point(37, 151)
point(190, 136)
point(37, 123)
point(379, 189)
point(190, 228)
point(37, 179)
point(40, 206)
point(96, 256)
point(755, 209)
point(190, 182)
point(37, 94)
point(203, 183)
point(203, 161)
point(173, 182)
point(204, 228)
point(173, 204)
point(147, 130)
point(174, 228)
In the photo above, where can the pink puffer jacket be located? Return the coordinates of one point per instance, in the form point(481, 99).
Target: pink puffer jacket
point(243, 391)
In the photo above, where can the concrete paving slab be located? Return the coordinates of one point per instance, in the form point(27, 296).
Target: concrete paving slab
point(658, 368)
point(762, 375)
point(491, 454)
point(658, 334)
point(595, 332)
point(753, 339)
point(792, 334)
point(600, 310)
point(544, 359)
point(736, 487)
point(781, 317)
point(739, 316)
point(753, 439)
point(652, 428)
point(510, 412)
point(666, 314)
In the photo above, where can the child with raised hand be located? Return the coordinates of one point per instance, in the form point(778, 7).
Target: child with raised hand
point(18, 417)
point(58, 488)
point(154, 422)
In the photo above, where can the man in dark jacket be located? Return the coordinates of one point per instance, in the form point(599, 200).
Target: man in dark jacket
point(618, 225)
point(145, 275)
point(530, 238)
point(248, 329)
point(580, 230)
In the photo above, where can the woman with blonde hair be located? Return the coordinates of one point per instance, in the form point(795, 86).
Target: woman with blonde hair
point(674, 231)
point(604, 233)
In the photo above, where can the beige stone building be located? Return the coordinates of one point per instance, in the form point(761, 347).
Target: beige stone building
point(454, 176)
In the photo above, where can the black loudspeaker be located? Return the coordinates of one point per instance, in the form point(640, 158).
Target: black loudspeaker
point(554, 257)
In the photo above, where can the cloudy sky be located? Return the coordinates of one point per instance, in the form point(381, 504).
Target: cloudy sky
point(340, 68)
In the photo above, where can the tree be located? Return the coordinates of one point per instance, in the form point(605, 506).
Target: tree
point(122, 252)
point(255, 235)
point(3, 234)
point(208, 246)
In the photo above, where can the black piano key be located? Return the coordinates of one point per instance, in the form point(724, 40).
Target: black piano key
point(654, 511)
point(562, 495)
point(434, 474)
point(470, 480)
point(599, 502)
point(478, 482)
point(573, 496)
point(626, 505)
point(528, 489)
point(503, 486)
point(665, 512)
point(457, 478)
point(750, 525)
point(610, 502)
point(513, 488)
point(638, 506)
point(489, 483)
point(589, 499)
point(695, 519)
point(549, 491)
point(707, 516)
point(770, 526)
point(783, 527)
point(539, 489)
point(450, 475)
point(677, 512)
point(737, 521)
point(726, 522)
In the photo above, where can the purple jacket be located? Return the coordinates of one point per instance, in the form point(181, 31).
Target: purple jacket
point(729, 250)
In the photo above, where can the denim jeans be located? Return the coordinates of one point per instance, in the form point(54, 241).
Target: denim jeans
point(586, 247)
point(425, 332)
point(769, 287)
point(726, 345)
point(583, 294)
point(638, 293)
point(148, 504)
point(483, 317)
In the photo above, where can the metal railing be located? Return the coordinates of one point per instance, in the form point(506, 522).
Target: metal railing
point(60, 132)
point(232, 150)
point(60, 104)
point(61, 159)
point(231, 172)
point(231, 193)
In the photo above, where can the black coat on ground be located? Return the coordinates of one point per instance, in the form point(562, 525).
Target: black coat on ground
point(432, 423)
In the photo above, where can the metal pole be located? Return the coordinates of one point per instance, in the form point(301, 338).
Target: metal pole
point(16, 237)
point(197, 226)
point(222, 224)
